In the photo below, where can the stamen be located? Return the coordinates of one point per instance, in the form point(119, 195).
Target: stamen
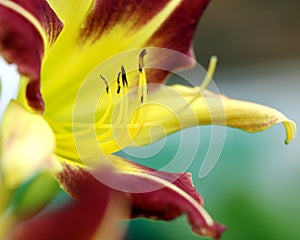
point(141, 59)
point(210, 72)
point(119, 85)
point(116, 133)
point(136, 123)
point(124, 78)
point(124, 120)
point(143, 90)
point(121, 122)
point(108, 108)
point(106, 83)
point(119, 117)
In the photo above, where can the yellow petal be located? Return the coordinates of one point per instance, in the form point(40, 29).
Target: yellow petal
point(94, 31)
point(69, 11)
point(27, 144)
point(253, 117)
point(173, 108)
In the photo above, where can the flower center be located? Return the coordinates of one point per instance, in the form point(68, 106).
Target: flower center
point(119, 118)
point(116, 124)
point(127, 123)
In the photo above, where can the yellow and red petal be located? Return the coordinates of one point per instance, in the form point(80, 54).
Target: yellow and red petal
point(170, 24)
point(177, 33)
point(46, 17)
point(152, 194)
point(26, 30)
point(110, 28)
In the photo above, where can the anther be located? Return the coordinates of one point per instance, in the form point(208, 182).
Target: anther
point(141, 59)
point(124, 77)
point(143, 90)
point(106, 83)
point(118, 81)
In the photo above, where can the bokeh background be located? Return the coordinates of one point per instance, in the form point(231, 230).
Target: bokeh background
point(255, 187)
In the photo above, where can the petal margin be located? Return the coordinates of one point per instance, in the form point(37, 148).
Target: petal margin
point(177, 33)
point(48, 19)
point(161, 22)
point(21, 43)
point(179, 107)
point(26, 30)
point(152, 194)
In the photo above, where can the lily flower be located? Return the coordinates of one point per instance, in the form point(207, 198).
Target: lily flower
point(82, 99)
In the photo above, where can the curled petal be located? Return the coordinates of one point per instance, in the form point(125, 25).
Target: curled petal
point(152, 194)
point(253, 117)
point(22, 43)
point(46, 17)
point(165, 196)
point(177, 107)
point(26, 29)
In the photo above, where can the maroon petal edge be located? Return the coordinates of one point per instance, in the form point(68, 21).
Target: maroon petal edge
point(45, 15)
point(163, 203)
point(176, 32)
point(105, 14)
point(22, 44)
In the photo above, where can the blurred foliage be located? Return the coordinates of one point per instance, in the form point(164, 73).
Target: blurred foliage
point(34, 194)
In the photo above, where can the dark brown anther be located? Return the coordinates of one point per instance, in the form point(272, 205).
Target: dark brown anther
point(141, 59)
point(106, 83)
point(118, 81)
point(124, 77)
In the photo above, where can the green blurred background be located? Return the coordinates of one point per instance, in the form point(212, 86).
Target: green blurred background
point(255, 187)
